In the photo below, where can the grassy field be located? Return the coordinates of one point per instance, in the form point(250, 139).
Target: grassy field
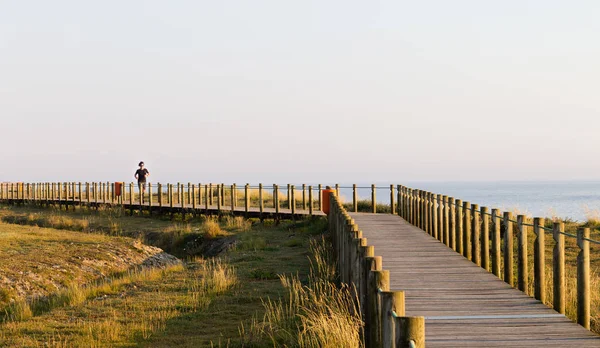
point(218, 301)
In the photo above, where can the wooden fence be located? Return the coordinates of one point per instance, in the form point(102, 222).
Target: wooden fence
point(383, 310)
point(487, 238)
point(213, 198)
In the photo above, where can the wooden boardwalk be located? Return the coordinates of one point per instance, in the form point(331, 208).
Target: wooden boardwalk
point(463, 305)
point(176, 207)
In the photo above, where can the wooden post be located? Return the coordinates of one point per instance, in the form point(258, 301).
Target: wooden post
point(199, 194)
point(508, 249)
point(190, 194)
point(364, 251)
point(466, 231)
point(422, 209)
point(320, 197)
point(475, 235)
point(583, 278)
point(485, 238)
point(181, 196)
point(219, 201)
point(410, 332)
point(373, 263)
point(232, 199)
point(434, 216)
point(496, 240)
point(393, 305)
point(222, 194)
point(246, 198)
point(210, 196)
point(441, 201)
point(417, 207)
point(303, 196)
point(131, 194)
point(170, 195)
point(235, 195)
point(58, 188)
point(289, 196)
point(373, 199)
point(261, 204)
point(408, 200)
point(87, 192)
point(206, 199)
point(539, 261)
point(378, 281)
point(193, 197)
point(392, 203)
point(522, 258)
point(451, 224)
point(150, 198)
point(337, 190)
point(160, 195)
point(292, 199)
point(354, 198)
point(425, 212)
point(355, 253)
point(459, 227)
point(276, 200)
point(310, 200)
point(400, 201)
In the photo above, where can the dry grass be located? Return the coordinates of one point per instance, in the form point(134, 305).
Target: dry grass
point(178, 228)
point(75, 295)
point(218, 277)
point(212, 229)
point(319, 314)
point(237, 223)
point(172, 310)
point(55, 220)
point(115, 315)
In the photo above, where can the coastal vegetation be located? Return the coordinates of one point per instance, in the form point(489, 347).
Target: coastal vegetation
point(219, 300)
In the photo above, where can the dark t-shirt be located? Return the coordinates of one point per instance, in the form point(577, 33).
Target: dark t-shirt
point(142, 173)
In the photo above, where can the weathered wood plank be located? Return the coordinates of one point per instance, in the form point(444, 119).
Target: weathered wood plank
point(439, 284)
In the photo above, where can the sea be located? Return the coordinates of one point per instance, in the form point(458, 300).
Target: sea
point(575, 200)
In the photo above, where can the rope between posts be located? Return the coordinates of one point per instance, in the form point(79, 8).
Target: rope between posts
point(592, 241)
point(568, 234)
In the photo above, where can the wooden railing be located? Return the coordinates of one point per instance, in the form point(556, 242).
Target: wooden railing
point(487, 238)
point(303, 196)
point(258, 199)
point(383, 310)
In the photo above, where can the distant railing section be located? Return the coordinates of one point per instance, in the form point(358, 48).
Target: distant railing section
point(302, 199)
point(487, 238)
point(198, 195)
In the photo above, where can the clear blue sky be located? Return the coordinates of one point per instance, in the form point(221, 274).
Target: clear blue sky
point(304, 91)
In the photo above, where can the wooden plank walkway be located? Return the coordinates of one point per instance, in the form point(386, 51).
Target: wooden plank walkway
point(463, 305)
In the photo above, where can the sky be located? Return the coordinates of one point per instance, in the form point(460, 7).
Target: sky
point(303, 91)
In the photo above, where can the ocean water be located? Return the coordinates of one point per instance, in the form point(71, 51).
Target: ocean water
point(577, 200)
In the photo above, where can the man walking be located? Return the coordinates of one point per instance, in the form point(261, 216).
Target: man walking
point(141, 175)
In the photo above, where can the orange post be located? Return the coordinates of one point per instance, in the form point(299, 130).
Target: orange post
point(118, 188)
point(325, 194)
